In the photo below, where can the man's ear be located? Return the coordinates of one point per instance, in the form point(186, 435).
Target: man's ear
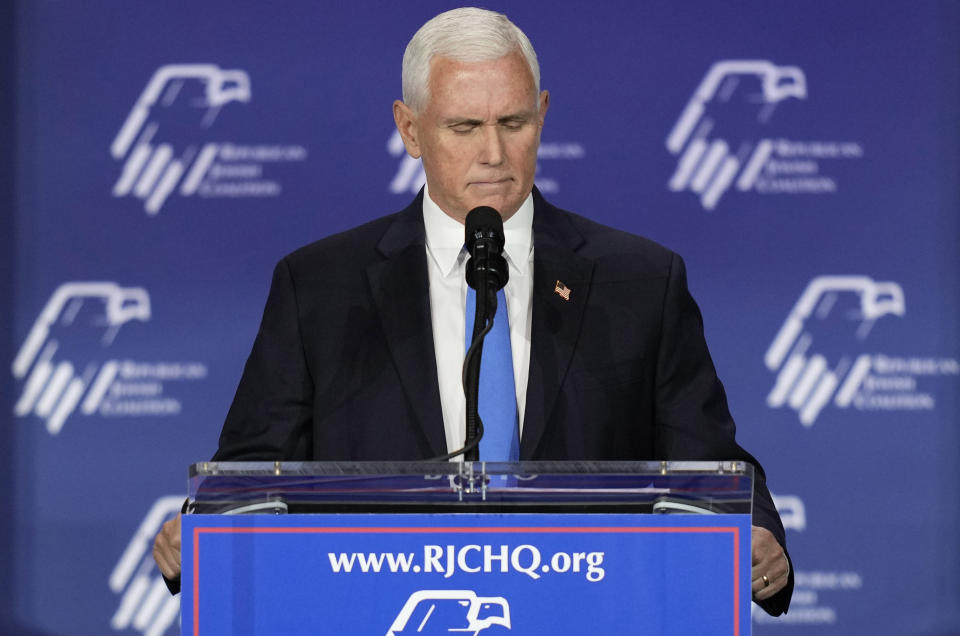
point(406, 121)
point(544, 103)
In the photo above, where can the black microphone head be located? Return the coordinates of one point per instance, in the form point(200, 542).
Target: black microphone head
point(483, 230)
point(483, 222)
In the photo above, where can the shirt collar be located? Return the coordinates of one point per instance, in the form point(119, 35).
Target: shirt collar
point(445, 237)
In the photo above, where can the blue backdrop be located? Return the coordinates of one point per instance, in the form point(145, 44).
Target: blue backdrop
point(802, 157)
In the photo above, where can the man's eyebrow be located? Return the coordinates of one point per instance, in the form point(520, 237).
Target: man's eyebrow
point(459, 121)
point(525, 115)
point(521, 116)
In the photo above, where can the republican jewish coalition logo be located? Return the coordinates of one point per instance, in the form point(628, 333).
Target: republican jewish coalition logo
point(446, 611)
point(717, 148)
point(65, 362)
point(168, 143)
point(145, 603)
point(819, 355)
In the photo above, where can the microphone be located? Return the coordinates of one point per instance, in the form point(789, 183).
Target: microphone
point(487, 273)
point(484, 240)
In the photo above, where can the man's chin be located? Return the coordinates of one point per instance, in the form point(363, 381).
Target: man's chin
point(505, 203)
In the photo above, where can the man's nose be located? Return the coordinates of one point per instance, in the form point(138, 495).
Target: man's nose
point(492, 149)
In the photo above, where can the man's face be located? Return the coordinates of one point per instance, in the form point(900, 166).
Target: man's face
point(478, 134)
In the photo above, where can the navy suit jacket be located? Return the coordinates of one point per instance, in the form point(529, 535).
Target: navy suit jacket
point(343, 367)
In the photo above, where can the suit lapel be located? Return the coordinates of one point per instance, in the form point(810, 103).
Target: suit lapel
point(556, 321)
point(400, 287)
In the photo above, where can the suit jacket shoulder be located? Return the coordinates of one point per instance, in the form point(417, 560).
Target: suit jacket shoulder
point(362, 244)
point(612, 249)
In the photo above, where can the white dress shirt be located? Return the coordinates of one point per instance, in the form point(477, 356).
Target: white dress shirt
point(446, 265)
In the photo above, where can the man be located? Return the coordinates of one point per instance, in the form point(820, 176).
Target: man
point(358, 355)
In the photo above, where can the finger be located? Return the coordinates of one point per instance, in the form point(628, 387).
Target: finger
point(766, 565)
point(764, 587)
point(759, 584)
point(766, 592)
point(765, 551)
point(166, 548)
point(167, 565)
point(171, 530)
point(777, 577)
point(168, 562)
point(759, 544)
point(176, 529)
point(773, 568)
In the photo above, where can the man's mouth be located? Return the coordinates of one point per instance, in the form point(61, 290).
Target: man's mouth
point(490, 183)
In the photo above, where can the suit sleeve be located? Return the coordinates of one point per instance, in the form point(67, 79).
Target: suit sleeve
point(270, 418)
point(693, 421)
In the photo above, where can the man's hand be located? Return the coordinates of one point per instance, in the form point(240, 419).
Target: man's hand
point(770, 566)
point(166, 548)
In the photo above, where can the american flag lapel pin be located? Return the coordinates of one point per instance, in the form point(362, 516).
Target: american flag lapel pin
point(562, 291)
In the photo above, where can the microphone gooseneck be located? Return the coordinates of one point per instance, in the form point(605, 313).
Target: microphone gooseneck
point(487, 273)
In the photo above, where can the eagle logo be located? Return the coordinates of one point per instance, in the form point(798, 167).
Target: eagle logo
point(450, 611)
point(708, 164)
point(153, 169)
point(827, 310)
point(54, 386)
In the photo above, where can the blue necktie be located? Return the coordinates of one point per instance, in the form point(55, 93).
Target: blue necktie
point(497, 401)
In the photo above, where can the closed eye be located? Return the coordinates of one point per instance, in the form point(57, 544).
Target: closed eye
point(464, 126)
point(513, 123)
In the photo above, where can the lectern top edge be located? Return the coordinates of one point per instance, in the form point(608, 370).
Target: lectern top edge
point(278, 487)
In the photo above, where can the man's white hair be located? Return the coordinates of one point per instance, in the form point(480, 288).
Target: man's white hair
point(465, 35)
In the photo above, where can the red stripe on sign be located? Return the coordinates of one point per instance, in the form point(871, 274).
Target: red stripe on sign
point(736, 581)
point(462, 530)
point(196, 581)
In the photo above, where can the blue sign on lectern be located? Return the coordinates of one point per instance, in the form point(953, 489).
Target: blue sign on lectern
point(466, 573)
